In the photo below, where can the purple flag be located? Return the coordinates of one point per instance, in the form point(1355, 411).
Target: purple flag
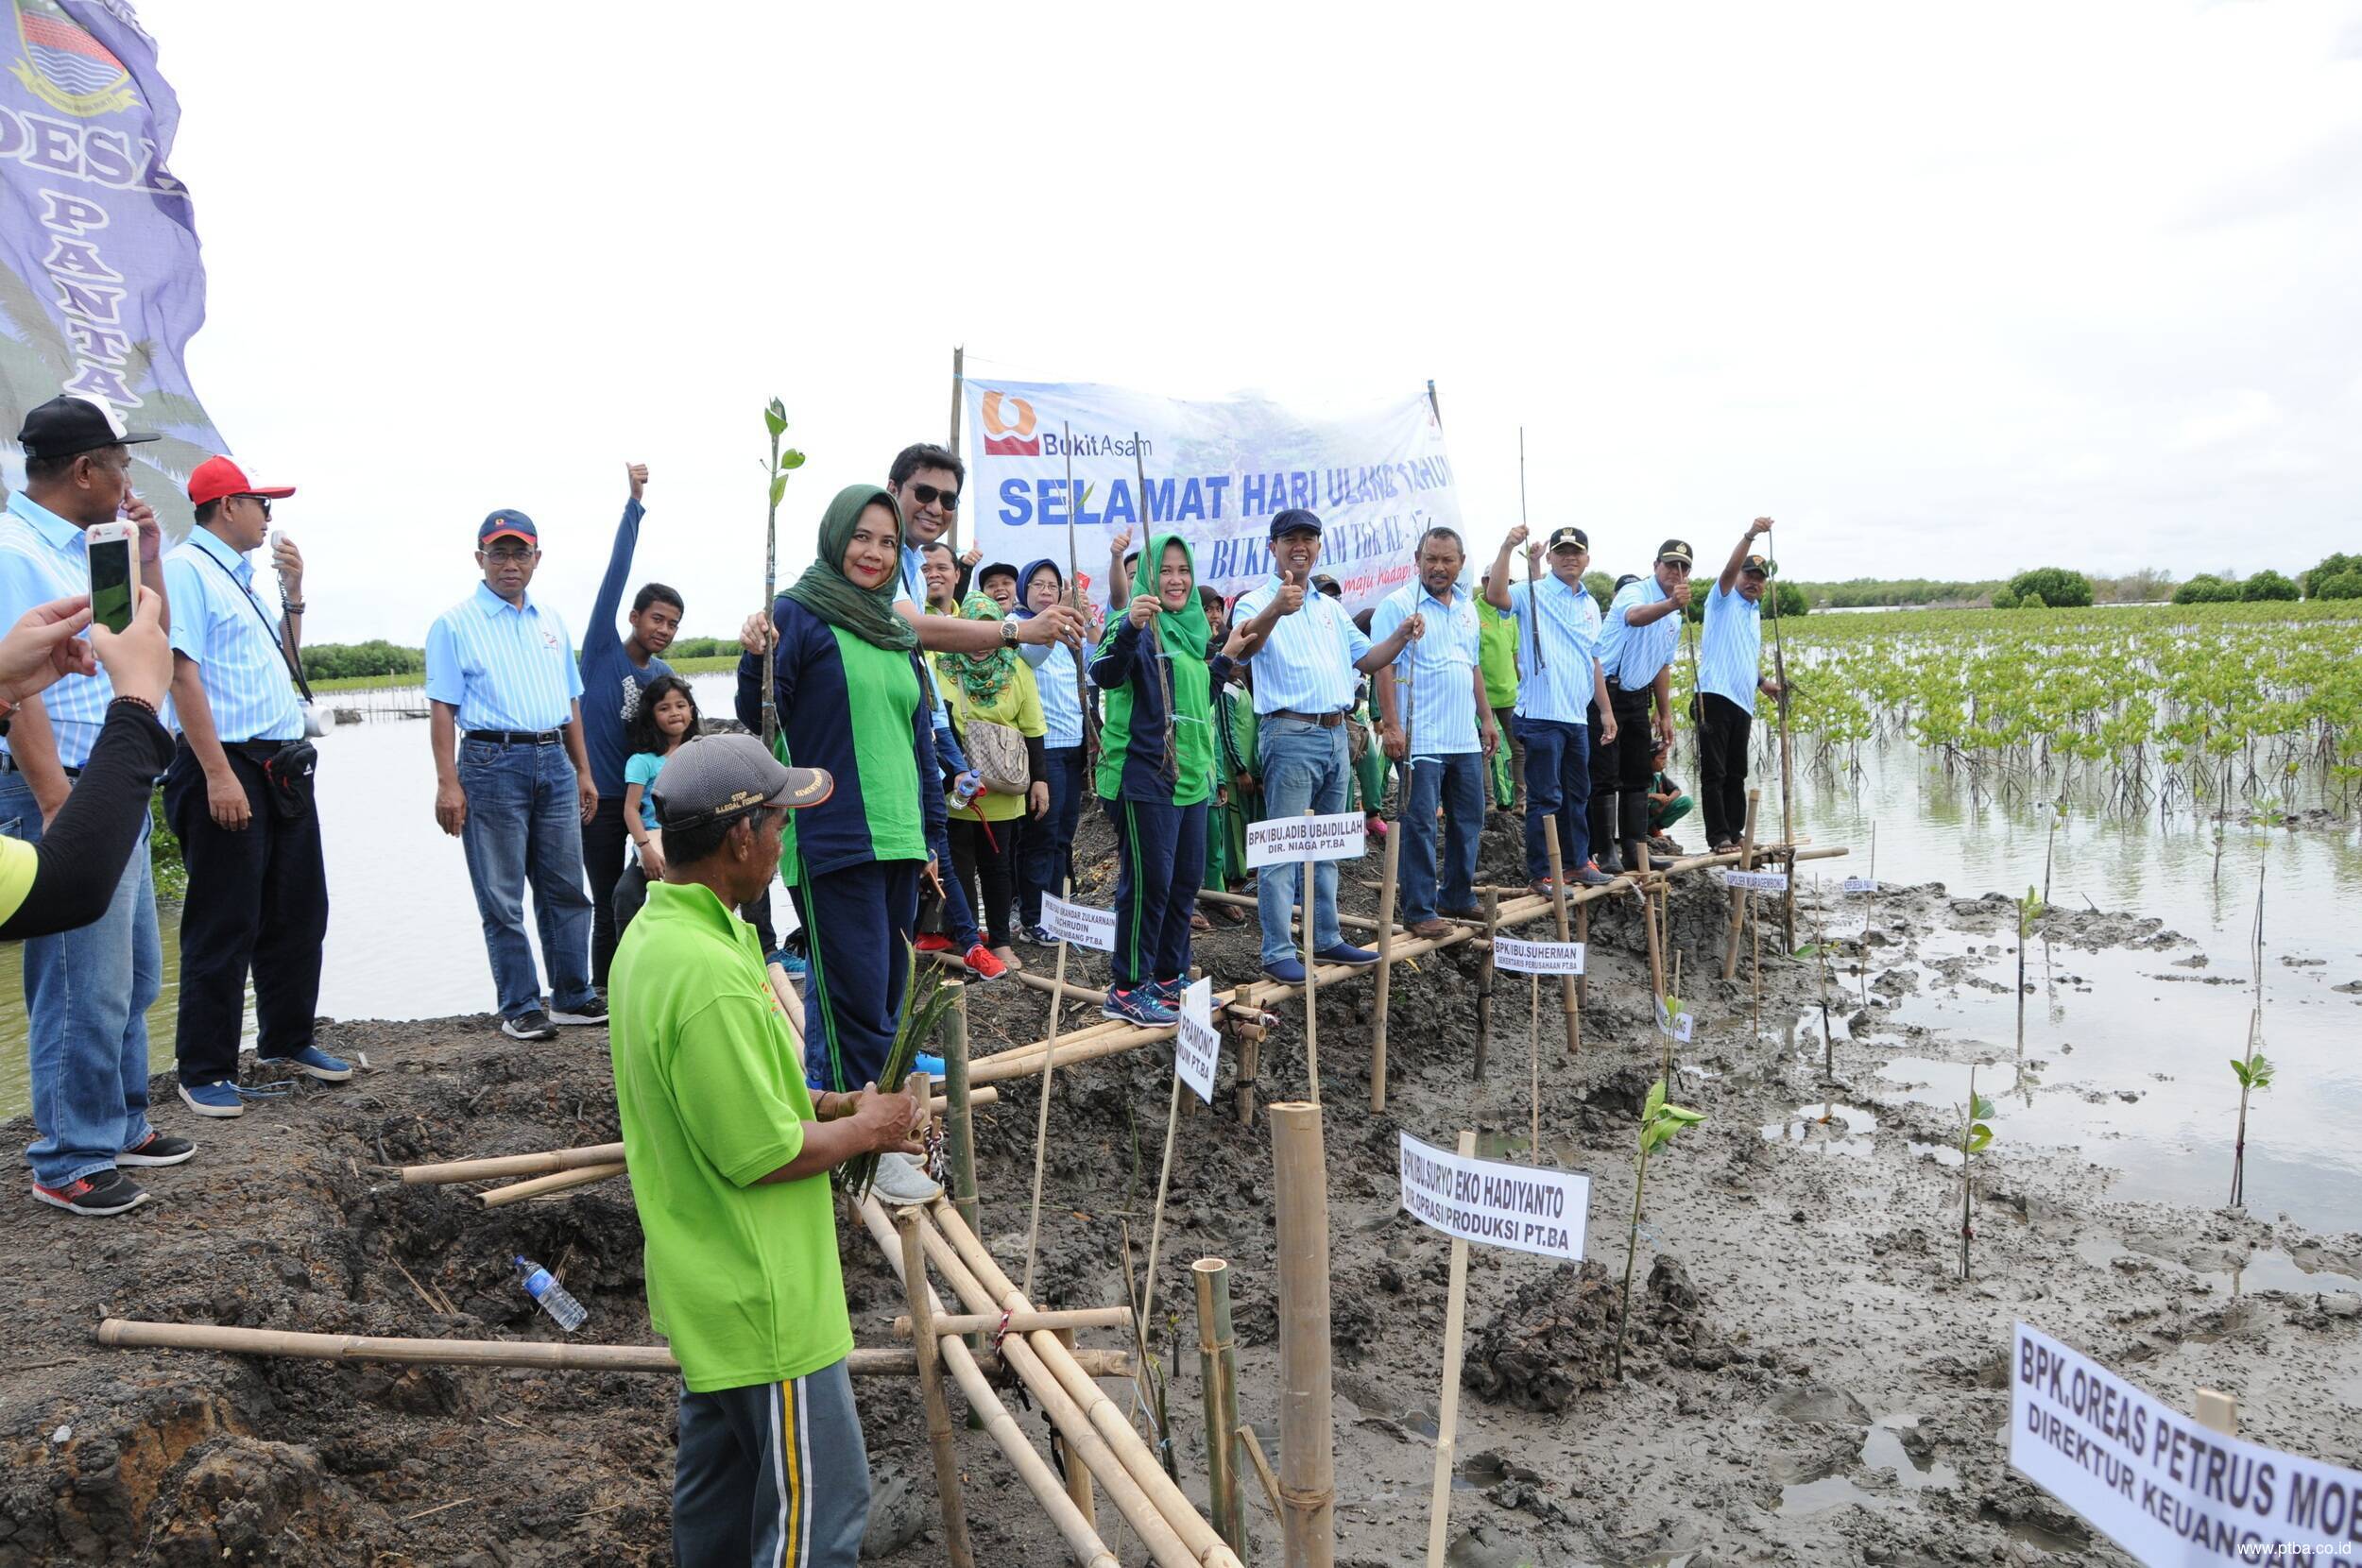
point(101, 285)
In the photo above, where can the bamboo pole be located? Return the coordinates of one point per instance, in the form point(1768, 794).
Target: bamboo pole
point(915, 1288)
point(1484, 979)
point(541, 1185)
point(1218, 1383)
point(1250, 1068)
point(1049, 1063)
point(1447, 1403)
point(1239, 900)
point(1135, 1482)
point(1385, 966)
point(1308, 1477)
point(1305, 883)
point(1079, 1486)
point(1082, 1536)
point(790, 1005)
point(994, 1069)
point(959, 383)
point(1647, 915)
point(512, 1164)
point(1057, 1320)
point(1738, 896)
point(959, 1120)
point(1567, 999)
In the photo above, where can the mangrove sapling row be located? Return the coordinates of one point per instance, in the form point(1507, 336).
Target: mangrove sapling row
point(1659, 1121)
point(1975, 1134)
point(2253, 1071)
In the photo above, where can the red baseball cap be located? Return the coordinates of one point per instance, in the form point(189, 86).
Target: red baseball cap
point(217, 477)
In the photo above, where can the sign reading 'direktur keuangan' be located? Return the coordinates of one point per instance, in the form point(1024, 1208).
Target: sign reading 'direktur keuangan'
point(1494, 1203)
point(1282, 840)
point(2161, 1486)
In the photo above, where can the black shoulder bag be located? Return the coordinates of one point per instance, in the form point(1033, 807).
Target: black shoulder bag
point(290, 770)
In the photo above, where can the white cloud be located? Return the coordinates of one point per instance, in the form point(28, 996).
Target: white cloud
point(2232, 417)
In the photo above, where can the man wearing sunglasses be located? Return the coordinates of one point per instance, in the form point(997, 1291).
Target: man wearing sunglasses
point(258, 886)
point(512, 776)
point(1637, 641)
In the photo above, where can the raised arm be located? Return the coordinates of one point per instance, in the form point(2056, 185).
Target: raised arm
point(610, 597)
point(1497, 585)
point(1739, 554)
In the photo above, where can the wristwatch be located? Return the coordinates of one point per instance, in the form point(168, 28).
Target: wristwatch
point(1008, 634)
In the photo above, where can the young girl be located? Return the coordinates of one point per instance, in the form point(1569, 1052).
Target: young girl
point(667, 715)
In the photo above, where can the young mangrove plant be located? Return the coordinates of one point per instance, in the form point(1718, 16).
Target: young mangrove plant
point(1659, 1121)
point(782, 463)
point(1974, 1133)
point(2030, 910)
point(2254, 1072)
point(925, 1002)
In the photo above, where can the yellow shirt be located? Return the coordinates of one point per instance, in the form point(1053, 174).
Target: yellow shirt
point(1018, 706)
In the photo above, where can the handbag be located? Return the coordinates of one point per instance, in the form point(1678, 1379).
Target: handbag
point(290, 771)
point(997, 753)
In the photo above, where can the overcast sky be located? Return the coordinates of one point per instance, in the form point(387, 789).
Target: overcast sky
point(1946, 294)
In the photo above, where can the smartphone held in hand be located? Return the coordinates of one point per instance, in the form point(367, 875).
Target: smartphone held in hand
point(113, 573)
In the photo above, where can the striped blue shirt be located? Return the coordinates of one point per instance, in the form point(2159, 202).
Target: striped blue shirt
point(1061, 710)
point(1730, 657)
point(1441, 666)
point(1305, 665)
point(1561, 690)
point(221, 627)
point(42, 557)
point(915, 589)
point(1632, 655)
point(503, 666)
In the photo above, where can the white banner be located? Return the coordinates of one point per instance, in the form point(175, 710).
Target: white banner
point(1286, 841)
point(1217, 474)
point(1494, 1203)
point(1538, 958)
point(2158, 1484)
point(1756, 881)
point(1197, 1049)
point(1078, 923)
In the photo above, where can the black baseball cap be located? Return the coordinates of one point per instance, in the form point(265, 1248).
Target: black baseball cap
point(1296, 520)
point(507, 523)
point(1323, 582)
point(1760, 566)
point(713, 778)
point(1675, 549)
point(996, 568)
point(71, 423)
point(1561, 538)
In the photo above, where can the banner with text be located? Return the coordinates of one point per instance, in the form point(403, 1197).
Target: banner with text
point(1494, 1203)
point(1215, 473)
point(1079, 924)
point(100, 283)
point(1284, 841)
point(1197, 1046)
point(2158, 1484)
point(1538, 958)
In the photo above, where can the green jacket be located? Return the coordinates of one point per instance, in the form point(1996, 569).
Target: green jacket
point(1496, 654)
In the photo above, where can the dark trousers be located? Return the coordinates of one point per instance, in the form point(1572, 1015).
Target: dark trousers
point(1620, 772)
point(258, 899)
point(984, 853)
point(1045, 848)
point(1558, 785)
point(949, 913)
point(603, 839)
point(1160, 855)
point(858, 920)
point(1723, 729)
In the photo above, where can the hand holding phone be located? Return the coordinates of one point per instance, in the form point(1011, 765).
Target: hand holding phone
point(114, 573)
point(138, 660)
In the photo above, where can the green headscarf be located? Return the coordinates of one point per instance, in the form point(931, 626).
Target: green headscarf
point(825, 590)
point(981, 676)
point(1181, 631)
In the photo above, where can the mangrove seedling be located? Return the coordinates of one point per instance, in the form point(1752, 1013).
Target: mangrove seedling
point(782, 463)
point(2254, 1073)
point(1975, 1134)
point(2030, 910)
point(1659, 1121)
point(924, 1002)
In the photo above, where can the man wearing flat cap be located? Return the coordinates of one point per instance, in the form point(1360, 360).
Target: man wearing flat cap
point(258, 886)
point(512, 776)
point(87, 991)
point(1730, 673)
point(1636, 646)
point(729, 1154)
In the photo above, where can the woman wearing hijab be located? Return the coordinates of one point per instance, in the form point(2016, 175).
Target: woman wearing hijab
point(852, 699)
point(1155, 775)
point(993, 688)
point(1045, 847)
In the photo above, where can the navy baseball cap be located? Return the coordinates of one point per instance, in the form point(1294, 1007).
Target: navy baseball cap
point(1296, 520)
point(507, 523)
point(70, 424)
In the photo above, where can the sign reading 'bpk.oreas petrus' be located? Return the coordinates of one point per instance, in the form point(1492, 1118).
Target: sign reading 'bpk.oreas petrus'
point(1283, 840)
point(1494, 1203)
point(2161, 1486)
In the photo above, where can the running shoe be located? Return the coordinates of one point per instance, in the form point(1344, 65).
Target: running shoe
point(100, 1193)
point(1137, 1005)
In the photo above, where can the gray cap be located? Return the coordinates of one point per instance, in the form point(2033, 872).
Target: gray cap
point(713, 778)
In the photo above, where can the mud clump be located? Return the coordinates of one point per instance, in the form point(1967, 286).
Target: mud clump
point(1551, 1340)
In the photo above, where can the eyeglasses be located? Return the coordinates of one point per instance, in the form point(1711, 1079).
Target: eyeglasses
point(927, 495)
point(506, 556)
point(263, 502)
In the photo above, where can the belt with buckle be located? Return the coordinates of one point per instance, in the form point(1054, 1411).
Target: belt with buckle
point(517, 737)
point(1327, 721)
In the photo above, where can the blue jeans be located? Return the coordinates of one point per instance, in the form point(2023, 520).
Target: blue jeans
point(1457, 780)
point(524, 821)
point(87, 993)
point(1045, 848)
point(1304, 766)
point(1558, 784)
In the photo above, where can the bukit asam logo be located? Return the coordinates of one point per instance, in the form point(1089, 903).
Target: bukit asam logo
point(64, 67)
point(1009, 427)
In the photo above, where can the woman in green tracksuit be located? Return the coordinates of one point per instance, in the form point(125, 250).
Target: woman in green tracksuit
point(1155, 775)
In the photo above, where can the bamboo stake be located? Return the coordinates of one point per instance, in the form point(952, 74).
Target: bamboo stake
point(1250, 1066)
point(1079, 1487)
point(2217, 1411)
point(1049, 1063)
point(1239, 900)
point(1156, 1222)
point(915, 1289)
point(1558, 913)
point(541, 1185)
point(790, 1005)
point(1218, 1380)
point(959, 383)
point(1061, 1319)
point(1386, 967)
point(959, 1120)
point(1485, 978)
point(1307, 1446)
point(1082, 1536)
point(1738, 896)
point(1447, 1403)
point(512, 1164)
point(1788, 777)
point(1648, 914)
point(1311, 976)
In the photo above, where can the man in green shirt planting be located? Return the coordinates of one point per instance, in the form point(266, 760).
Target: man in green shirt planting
point(729, 1157)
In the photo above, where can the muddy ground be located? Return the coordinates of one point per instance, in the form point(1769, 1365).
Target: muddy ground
point(1810, 1382)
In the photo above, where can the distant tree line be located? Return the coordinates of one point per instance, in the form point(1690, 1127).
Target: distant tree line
point(344, 660)
point(2337, 576)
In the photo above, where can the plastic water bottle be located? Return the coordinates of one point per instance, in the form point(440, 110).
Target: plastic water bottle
point(555, 1300)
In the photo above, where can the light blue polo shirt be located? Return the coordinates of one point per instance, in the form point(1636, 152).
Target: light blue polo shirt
point(503, 666)
point(1441, 665)
point(220, 626)
point(1632, 655)
point(1305, 665)
point(43, 557)
point(1730, 655)
point(1561, 690)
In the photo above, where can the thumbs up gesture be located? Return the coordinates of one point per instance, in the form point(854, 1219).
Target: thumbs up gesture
point(1291, 597)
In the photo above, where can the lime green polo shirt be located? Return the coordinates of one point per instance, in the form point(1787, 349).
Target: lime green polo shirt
point(742, 1276)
